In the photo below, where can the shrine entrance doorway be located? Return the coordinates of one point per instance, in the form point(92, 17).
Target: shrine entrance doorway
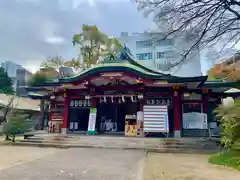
point(78, 116)
point(111, 115)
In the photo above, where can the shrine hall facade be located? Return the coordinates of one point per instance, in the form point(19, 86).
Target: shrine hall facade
point(121, 96)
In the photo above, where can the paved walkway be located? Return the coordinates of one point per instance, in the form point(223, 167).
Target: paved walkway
point(185, 167)
point(11, 155)
point(28, 163)
point(75, 164)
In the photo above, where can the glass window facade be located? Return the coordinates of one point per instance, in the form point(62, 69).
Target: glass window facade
point(144, 44)
point(160, 55)
point(144, 56)
point(166, 54)
point(164, 42)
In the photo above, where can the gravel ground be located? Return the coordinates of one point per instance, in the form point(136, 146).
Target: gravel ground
point(28, 163)
point(13, 155)
point(73, 164)
point(184, 167)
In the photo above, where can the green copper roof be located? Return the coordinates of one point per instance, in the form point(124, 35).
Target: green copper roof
point(129, 68)
point(219, 83)
point(123, 61)
point(36, 95)
point(115, 65)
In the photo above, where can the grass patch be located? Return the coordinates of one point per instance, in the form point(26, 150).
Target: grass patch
point(230, 159)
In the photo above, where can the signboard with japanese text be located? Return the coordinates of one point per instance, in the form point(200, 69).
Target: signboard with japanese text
point(92, 121)
point(195, 120)
point(80, 103)
point(159, 101)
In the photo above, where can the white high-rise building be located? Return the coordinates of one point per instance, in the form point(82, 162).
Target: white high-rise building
point(164, 55)
point(11, 69)
point(19, 76)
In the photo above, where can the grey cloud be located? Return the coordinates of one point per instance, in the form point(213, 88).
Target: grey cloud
point(24, 25)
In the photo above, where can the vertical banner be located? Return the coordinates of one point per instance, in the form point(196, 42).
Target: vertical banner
point(92, 121)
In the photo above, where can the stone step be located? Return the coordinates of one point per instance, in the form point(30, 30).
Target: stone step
point(120, 143)
point(131, 145)
point(190, 144)
point(132, 139)
point(167, 140)
point(163, 150)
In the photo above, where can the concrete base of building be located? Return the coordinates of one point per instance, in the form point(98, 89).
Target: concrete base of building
point(64, 131)
point(177, 133)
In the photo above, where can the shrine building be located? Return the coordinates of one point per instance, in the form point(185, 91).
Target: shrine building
point(123, 97)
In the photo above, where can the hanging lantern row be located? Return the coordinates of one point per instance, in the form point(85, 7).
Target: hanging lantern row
point(117, 98)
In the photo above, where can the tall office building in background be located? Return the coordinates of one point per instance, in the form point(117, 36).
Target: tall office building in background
point(19, 76)
point(163, 55)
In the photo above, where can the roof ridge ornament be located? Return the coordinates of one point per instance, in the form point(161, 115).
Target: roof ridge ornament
point(125, 53)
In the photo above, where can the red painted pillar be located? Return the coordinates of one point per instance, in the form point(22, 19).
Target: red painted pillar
point(177, 113)
point(50, 122)
point(205, 107)
point(141, 104)
point(65, 113)
point(205, 98)
point(94, 102)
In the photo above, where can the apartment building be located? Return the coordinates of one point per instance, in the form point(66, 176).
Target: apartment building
point(19, 76)
point(163, 54)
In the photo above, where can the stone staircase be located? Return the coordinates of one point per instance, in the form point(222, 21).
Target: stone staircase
point(194, 145)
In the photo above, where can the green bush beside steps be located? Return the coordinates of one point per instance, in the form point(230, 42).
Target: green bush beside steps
point(228, 158)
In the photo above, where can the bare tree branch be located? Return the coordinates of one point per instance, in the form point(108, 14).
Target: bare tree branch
point(207, 23)
point(7, 110)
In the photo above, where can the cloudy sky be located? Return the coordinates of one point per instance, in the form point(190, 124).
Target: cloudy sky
point(31, 30)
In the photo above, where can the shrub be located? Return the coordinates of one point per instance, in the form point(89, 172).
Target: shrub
point(229, 117)
point(18, 123)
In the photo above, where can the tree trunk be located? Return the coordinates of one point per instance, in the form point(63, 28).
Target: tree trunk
point(7, 138)
point(42, 110)
point(13, 138)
